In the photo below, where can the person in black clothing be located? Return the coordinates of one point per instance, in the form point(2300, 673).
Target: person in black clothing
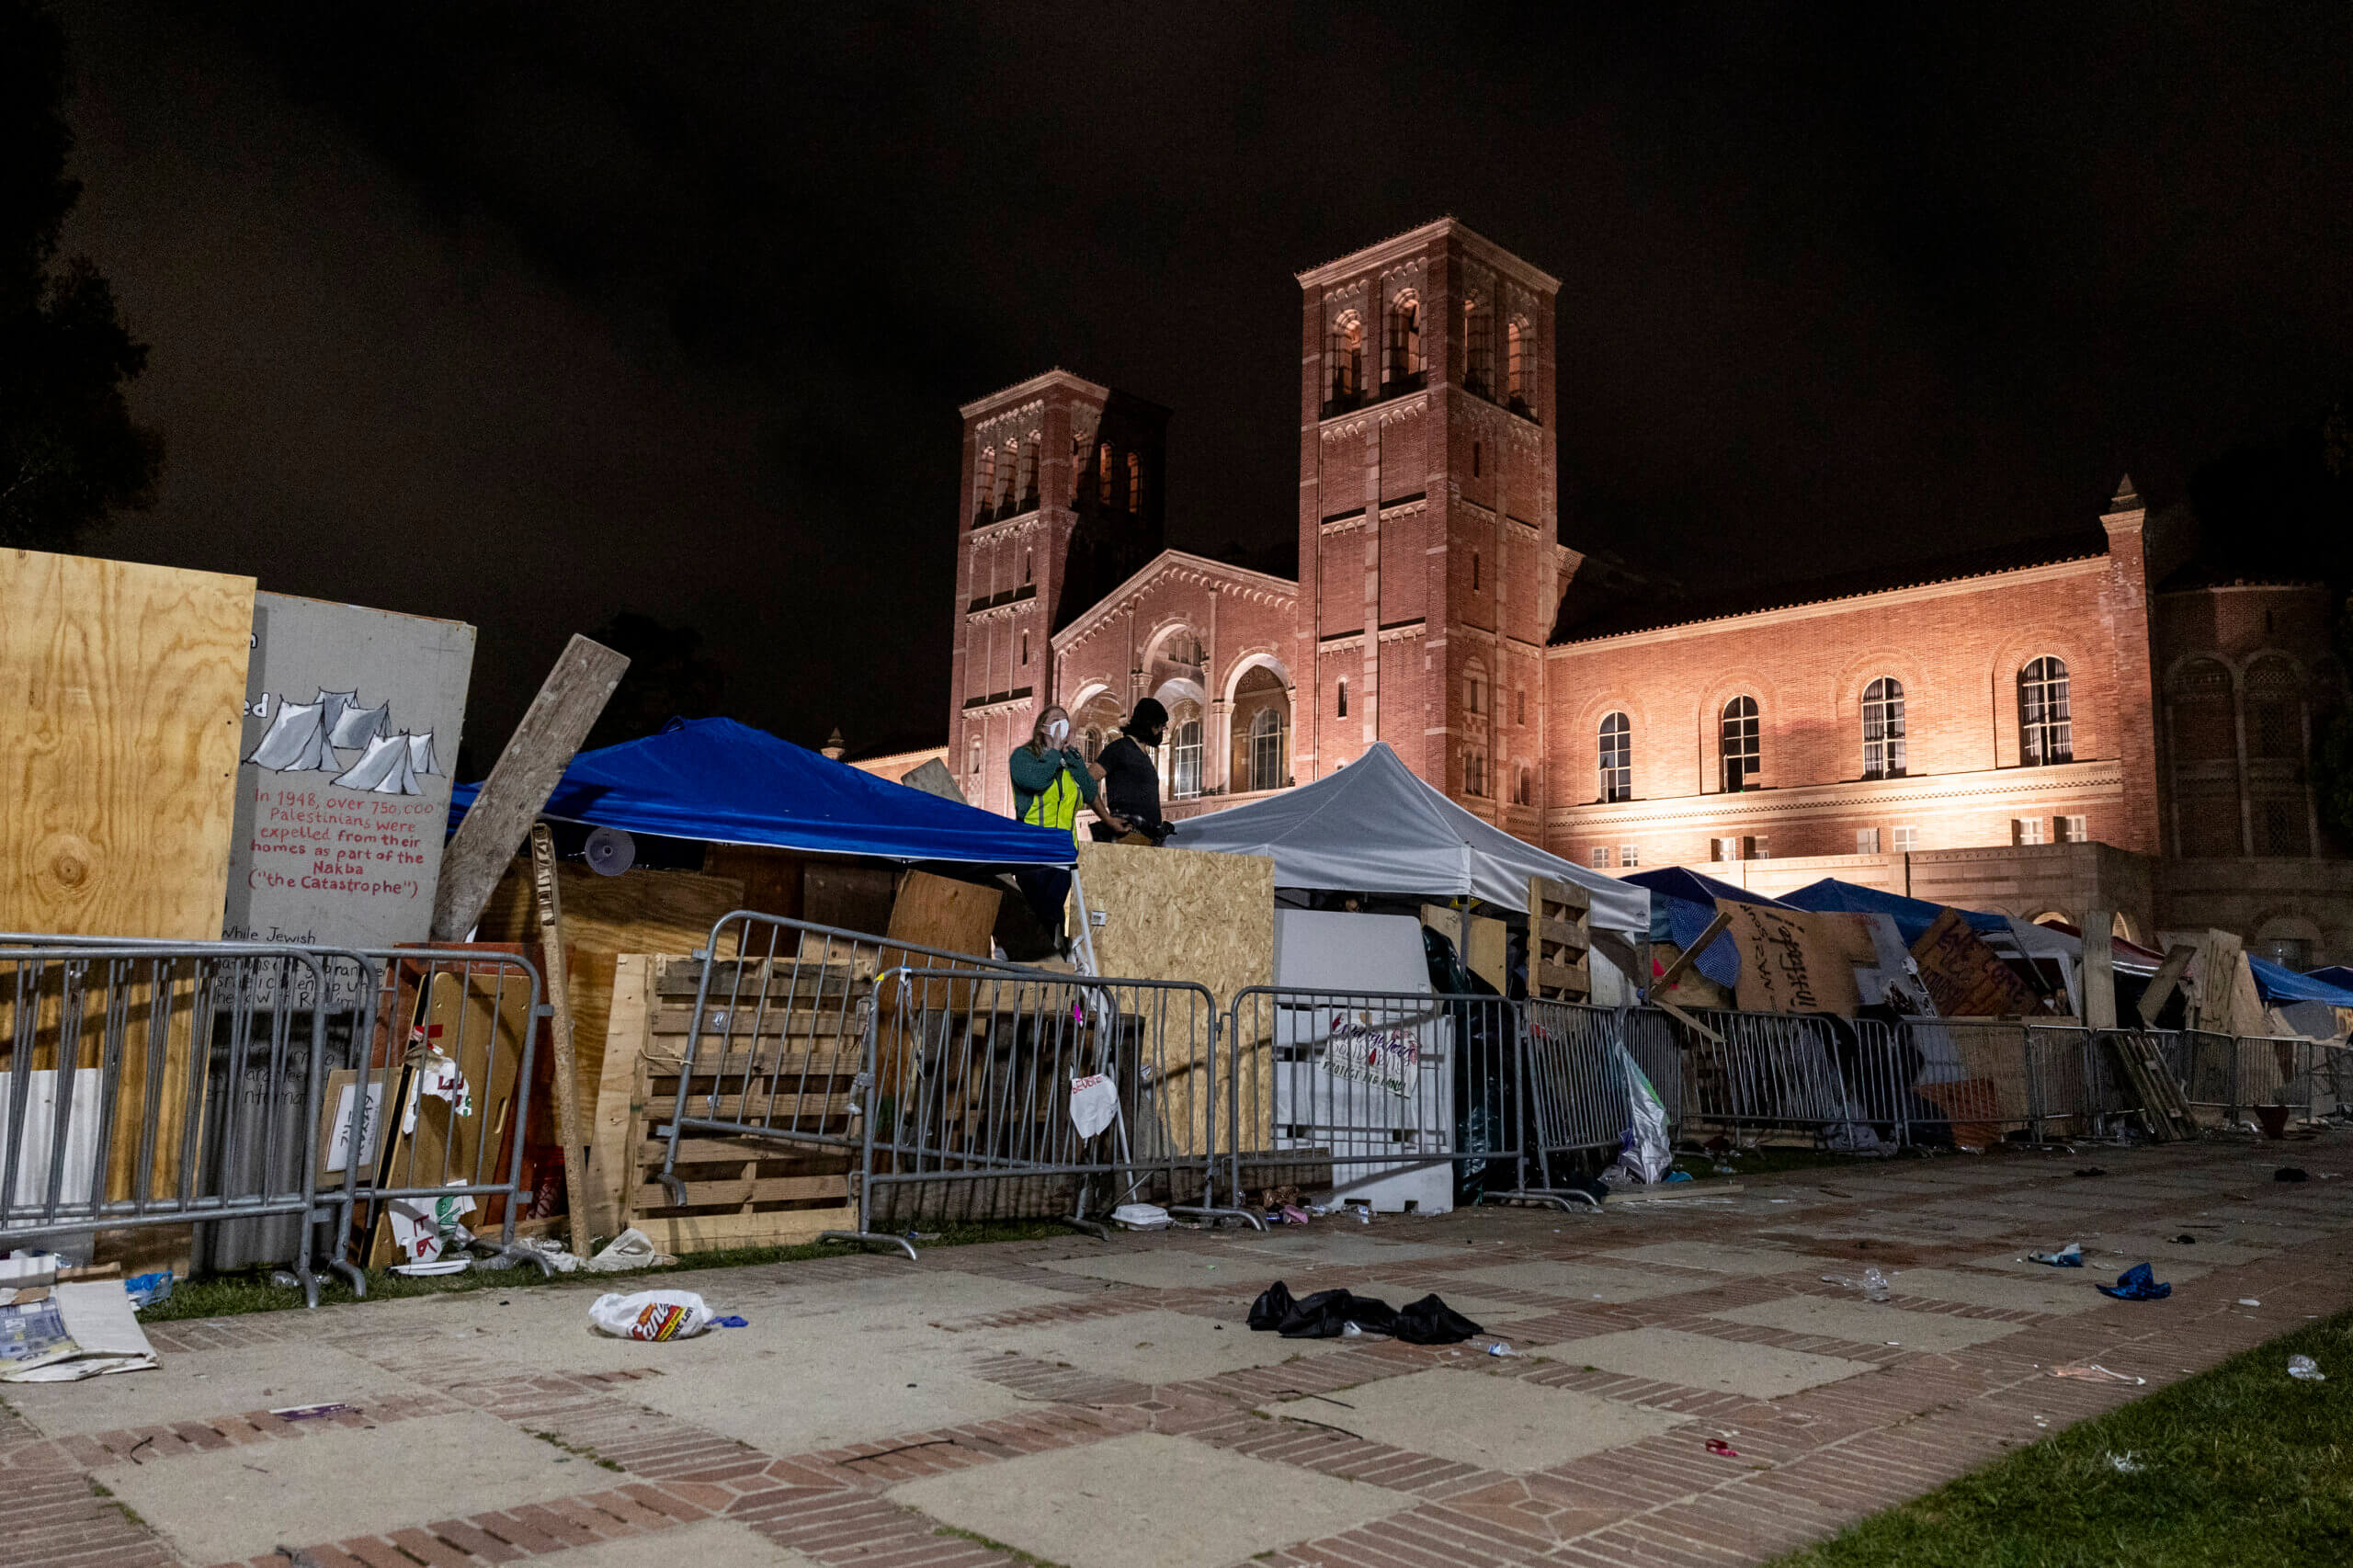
point(1131, 778)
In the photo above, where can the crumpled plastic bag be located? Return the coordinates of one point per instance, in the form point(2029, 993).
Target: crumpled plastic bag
point(1094, 1104)
point(1647, 1152)
point(651, 1315)
point(2137, 1284)
point(1329, 1314)
point(2068, 1257)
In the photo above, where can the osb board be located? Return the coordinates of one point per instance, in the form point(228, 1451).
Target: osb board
point(636, 911)
point(1481, 949)
point(1795, 961)
point(1966, 978)
point(771, 878)
point(121, 693)
point(1182, 914)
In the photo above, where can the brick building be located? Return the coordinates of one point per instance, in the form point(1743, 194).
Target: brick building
point(2099, 720)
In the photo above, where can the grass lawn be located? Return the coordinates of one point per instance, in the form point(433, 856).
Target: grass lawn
point(228, 1294)
point(2240, 1465)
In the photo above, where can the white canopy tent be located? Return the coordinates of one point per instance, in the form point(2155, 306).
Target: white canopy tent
point(1372, 827)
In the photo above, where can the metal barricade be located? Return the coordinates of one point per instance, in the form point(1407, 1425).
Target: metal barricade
point(1406, 1102)
point(998, 1095)
point(1579, 1099)
point(162, 1084)
point(1844, 1079)
point(1972, 1081)
point(428, 1103)
point(2206, 1066)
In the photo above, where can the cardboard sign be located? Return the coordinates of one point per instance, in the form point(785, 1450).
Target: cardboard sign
point(1363, 1053)
point(351, 728)
point(1966, 978)
point(1795, 961)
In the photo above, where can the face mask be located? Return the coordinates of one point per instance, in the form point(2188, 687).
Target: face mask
point(1058, 731)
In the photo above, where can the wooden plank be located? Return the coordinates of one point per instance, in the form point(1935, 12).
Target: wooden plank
point(739, 981)
point(121, 698)
point(838, 1023)
point(1559, 936)
point(608, 1133)
point(525, 774)
point(804, 1109)
point(940, 911)
point(1691, 955)
point(681, 1235)
point(652, 1200)
point(771, 878)
point(2160, 985)
point(847, 897)
point(2098, 978)
point(569, 1130)
point(709, 1148)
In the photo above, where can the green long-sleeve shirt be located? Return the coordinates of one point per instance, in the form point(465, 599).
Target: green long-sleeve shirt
point(1041, 796)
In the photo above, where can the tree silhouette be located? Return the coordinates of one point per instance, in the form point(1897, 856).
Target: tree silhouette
point(69, 452)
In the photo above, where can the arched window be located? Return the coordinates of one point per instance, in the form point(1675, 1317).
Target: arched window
point(1342, 711)
point(1474, 571)
point(1344, 360)
point(1185, 753)
point(1029, 474)
point(1135, 481)
point(1025, 648)
point(984, 483)
point(1010, 501)
point(1091, 739)
point(1404, 360)
point(1267, 750)
point(1524, 792)
point(1474, 694)
point(2274, 711)
point(976, 756)
point(1617, 759)
point(1738, 735)
point(1103, 474)
point(1026, 578)
point(1474, 772)
point(2046, 734)
point(1518, 362)
point(1883, 728)
point(1478, 348)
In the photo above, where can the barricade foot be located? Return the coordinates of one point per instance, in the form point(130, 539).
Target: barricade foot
point(1218, 1216)
point(902, 1243)
point(353, 1272)
point(1547, 1197)
point(1100, 1232)
point(505, 1255)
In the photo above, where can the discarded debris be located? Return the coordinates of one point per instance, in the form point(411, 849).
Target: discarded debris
point(2305, 1369)
point(651, 1315)
point(2250, 1301)
point(2091, 1171)
point(1722, 1449)
point(2185, 1239)
point(2093, 1372)
point(2290, 1173)
point(2126, 1463)
point(1873, 1284)
point(2137, 1284)
point(311, 1411)
point(1140, 1217)
point(1500, 1348)
point(2068, 1257)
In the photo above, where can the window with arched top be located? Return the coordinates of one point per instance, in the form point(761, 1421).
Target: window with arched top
point(1474, 691)
point(976, 754)
point(2046, 729)
point(1344, 360)
point(1029, 487)
point(1883, 745)
point(1738, 741)
point(1135, 481)
point(1478, 347)
point(984, 483)
point(1340, 698)
point(1103, 474)
point(1524, 791)
point(1518, 362)
point(1474, 772)
point(1266, 749)
point(2275, 712)
point(1617, 758)
point(1026, 578)
point(1091, 739)
point(1403, 359)
point(1010, 471)
point(1185, 751)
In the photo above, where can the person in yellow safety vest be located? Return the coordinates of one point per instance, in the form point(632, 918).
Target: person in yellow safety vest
point(1050, 780)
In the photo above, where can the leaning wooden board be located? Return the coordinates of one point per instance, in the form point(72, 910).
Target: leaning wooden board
point(741, 1191)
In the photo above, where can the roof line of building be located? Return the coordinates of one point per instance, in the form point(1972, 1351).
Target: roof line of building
point(1135, 579)
point(1493, 254)
point(1038, 382)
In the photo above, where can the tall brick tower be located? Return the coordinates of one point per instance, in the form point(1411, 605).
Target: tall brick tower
point(1062, 499)
point(1429, 566)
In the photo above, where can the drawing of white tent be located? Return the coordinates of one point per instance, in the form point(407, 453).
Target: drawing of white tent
point(385, 769)
point(334, 704)
point(361, 726)
point(297, 741)
point(420, 756)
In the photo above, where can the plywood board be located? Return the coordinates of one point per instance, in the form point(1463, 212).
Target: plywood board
point(636, 911)
point(1184, 914)
point(119, 692)
point(1793, 961)
point(1966, 978)
point(771, 878)
point(847, 897)
point(626, 1036)
point(1478, 940)
point(352, 721)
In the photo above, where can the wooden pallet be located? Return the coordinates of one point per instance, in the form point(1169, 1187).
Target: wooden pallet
point(1558, 940)
point(741, 1191)
point(2163, 1111)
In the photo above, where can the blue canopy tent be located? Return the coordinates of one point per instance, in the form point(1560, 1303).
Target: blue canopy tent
point(2278, 983)
point(1912, 915)
point(723, 782)
point(2337, 975)
point(1683, 902)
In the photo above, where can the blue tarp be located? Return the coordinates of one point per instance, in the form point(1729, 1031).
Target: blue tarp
point(2279, 983)
point(2337, 975)
point(1912, 916)
point(1682, 904)
point(727, 783)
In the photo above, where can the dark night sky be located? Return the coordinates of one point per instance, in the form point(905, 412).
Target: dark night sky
point(526, 315)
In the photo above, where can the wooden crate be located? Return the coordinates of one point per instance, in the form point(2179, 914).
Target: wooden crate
point(1559, 938)
point(740, 1191)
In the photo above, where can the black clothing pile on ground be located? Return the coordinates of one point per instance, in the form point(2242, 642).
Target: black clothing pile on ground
point(1326, 1313)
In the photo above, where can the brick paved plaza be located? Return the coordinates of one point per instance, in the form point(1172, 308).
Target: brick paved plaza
point(1104, 1406)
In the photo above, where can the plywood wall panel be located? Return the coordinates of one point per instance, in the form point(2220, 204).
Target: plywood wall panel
point(121, 690)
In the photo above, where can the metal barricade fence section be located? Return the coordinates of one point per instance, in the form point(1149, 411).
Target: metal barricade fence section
point(156, 1084)
point(1850, 1081)
point(1407, 1102)
point(1034, 1095)
point(1576, 1089)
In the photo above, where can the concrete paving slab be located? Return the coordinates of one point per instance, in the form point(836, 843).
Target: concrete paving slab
point(1147, 1501)
point(2046, 1294)
point(1718, 1258)
point(1464, 1299)
point(847, 1391)
point(2102, 1262)
point(1869, 1323)
point(237, 1502)
point(1582, 1281)
point(707, 1543)
point(1339, 1247)
point(1156, 1347)
point(1496, 1423)
point(200, 1385)
point(1701, 1361)
point(1174, 1269)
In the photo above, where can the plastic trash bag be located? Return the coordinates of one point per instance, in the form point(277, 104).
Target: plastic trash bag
point(651, 1314)
point(2137, 1284)
point(2068, 1257)
point(1431, 1322)
point(1647, 1154)
point(1324, 1315)
point(1873, 1284)
point(2305, 1369)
